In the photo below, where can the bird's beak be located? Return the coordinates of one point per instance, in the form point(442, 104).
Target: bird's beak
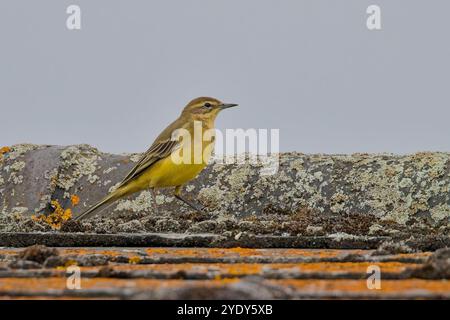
point(227, 105)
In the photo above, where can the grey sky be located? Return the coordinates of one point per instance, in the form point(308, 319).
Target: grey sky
point(310, 68)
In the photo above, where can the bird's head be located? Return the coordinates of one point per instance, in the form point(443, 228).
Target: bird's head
point(205, 108)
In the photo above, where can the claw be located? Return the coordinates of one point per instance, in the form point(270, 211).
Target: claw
point(197, 207)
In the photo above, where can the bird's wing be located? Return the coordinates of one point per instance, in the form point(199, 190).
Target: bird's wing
point(159, 150)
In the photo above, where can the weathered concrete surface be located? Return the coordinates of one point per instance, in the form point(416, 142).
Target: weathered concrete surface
point(383, 245)
point(217, 273)
point(311, 195)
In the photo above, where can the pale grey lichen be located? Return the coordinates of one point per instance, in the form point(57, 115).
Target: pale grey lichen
point(109, 170)
point(114, 187)
point(93, 178)
point(440, 212)
point(135, 157)
point(19, 210)
point(375, 228)
point(19, 150)
point(161, 199)
point(143, 202)
point(211, 196)
point(340, 236)
point(77, 162)
point(314, 230)
point(14, 170)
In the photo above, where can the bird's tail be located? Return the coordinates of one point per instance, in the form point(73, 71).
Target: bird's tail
point(108, 199)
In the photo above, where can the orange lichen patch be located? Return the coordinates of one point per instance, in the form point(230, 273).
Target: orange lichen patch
point(69, 263)
point(32, 284)
point(246, 252)
point(223, 253)
point(360, 286)
point(339, 287)
point(84, 251)
point(413, 255)
point(243, 252)
point(204, 252)
point(134, 260)
point(59, 283)
point(350, 267)
point(321, 253)
point(244, 269)
point(10, 252)
point(74, 199)
point(151, 251)
point(4, 150)
point(237, 269)
point(56, 218)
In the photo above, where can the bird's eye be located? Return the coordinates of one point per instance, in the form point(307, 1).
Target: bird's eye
point(207, 105)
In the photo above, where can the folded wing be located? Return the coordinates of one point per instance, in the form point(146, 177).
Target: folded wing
point(159, 150)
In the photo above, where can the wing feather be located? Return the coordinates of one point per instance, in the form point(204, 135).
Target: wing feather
point(158, 151)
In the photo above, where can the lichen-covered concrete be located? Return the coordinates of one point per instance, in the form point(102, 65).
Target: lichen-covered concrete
point(338, 196)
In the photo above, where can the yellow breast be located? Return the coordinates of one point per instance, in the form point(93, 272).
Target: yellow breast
point(173, 171)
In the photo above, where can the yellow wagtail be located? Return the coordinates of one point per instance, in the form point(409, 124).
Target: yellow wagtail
point(159, 166)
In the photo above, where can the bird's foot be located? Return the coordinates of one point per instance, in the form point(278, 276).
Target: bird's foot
point(196, 206)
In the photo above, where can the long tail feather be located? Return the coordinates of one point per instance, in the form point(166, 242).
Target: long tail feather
point(109, 198)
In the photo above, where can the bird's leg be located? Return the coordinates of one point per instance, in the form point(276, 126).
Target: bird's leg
point(154, 205)
point(177, 195)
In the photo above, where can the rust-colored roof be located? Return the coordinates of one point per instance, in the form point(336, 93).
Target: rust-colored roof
point(114, 273)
